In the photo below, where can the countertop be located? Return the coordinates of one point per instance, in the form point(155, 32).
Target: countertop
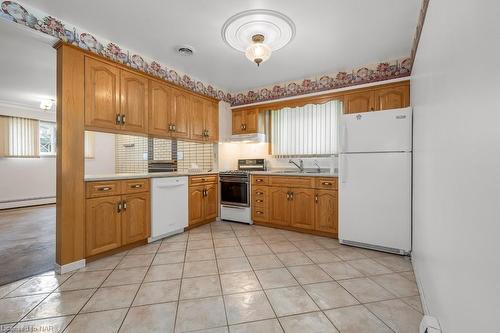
point(295, 173)
point(118, 176)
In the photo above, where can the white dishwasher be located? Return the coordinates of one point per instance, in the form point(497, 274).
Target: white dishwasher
point(169, 206)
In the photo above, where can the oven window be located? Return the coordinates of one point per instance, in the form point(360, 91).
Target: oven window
point(234, 193)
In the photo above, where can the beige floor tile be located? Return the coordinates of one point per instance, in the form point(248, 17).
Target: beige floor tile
point(198, 287)
point(223, 234)
point(365, 290)
point(309, 274)
point(329, 295)
point(341, 270)
point(102, 264)
point(307, 245)
point(125, 276)
point(322, 256)
point(139, 260)
point(369, 267)
point(328, 243)
point(356, 319)
point(294, 259)
point(172, 246)
point(233, 265)
point(283, 247)
point(224, 329)
point(164, 272)
point(245, 233)
point(183, 237)
point(229, 252)
point(110, 298)
point(150, 318)
point(348, 253)
point(13, 309)
point(200, 255)
point(223, 242)
point(251, 240)
point(415, 302)
point(38, 285)
point(247, 307)
point(146, 249)
point(157, 292)
point(290, 300)
point(395, 263)
point(275, 278)
point(397, 315)
point(171, 257)
point(10, 287)
point(409, 276)
point(200, 314)
point(200, 244)
point(275, 238)
point(309, 322)
point(102, 322)
point(265, 261)
point(61, 304)
point(200, 236)
point(264, 326)
point(256, 249)
point(51, 325)
point(200, 268)
point(239, 282)
point(396, 284)
point(371, 253)
point(84, 280)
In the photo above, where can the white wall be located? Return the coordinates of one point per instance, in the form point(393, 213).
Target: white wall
point(455, 92)
point(104, 155)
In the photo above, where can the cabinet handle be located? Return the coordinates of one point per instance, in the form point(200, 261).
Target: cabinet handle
point(316, 198)
point(259, 193)
point(326, 183)
point(258, 200)
point(118, 119)
point(170, 128)
point(106, 188)
point(259, 212)
point(175, 127)
point(124, 205)
point(136, 186)
point(258, 180)
point(244, 127)
point(123, 119)
point(287, 195)
point(119, 208)
point(291, 195)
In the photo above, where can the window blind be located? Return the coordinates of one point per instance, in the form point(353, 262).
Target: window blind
point(310, 130)
point(19, 137)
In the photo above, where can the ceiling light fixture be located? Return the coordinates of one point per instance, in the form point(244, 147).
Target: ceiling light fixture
point(247, 31)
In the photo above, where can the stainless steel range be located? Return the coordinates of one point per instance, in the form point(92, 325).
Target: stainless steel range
point(235, 190)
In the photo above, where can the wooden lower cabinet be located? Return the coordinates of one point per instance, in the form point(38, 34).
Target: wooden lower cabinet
point(326, 211)
point(103, 225)
point(279, 206)
point(301, 207)
point(135, 217)
point(203, 200)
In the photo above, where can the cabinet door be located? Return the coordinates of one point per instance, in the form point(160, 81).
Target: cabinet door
point(279, 205)
point(326, 211)
point(135, 217)
point(302, 208)
point(392, 98)
point(197, 123)
point(102, 94)
point(102, 225)
point(237, 119)
point(181, 113)
point(195, 202)
point(160, 105)
point(359, 102)
point(210, 204)
point(134, 102)
point(251, 121)
point(211, 119)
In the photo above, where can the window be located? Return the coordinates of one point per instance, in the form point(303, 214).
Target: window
point(306, 131)
point(47, 133)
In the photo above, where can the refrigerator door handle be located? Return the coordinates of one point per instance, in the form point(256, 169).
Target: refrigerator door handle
point(344, 137)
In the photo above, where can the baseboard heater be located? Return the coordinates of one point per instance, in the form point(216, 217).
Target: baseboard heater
point(373, 247)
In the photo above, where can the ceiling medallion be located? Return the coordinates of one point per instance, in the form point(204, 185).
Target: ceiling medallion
point(258, 33)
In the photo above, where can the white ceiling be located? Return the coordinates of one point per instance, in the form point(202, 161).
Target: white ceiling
point(28, 61)
point(331, 35)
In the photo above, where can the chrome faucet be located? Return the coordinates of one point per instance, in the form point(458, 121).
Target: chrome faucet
point(300, 165)
point(316, 164)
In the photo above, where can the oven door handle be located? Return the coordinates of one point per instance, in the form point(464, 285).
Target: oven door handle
point(237, 207)
point(234, 181)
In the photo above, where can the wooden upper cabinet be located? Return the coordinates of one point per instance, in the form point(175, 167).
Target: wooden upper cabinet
point(102, 94)
point(204, 120)
point(392, 97)
point(251, 124)
point(102, 225)
point(180, 115)
point(237, 122)
point(211, 119)
point(160, 108)
point(279, 205)
point(135, 217)
point(196, 196)
point(359, 102)
point(247, 121)
point(197, 123)
point(301, 208)
point(326, 211)
point(134, 102)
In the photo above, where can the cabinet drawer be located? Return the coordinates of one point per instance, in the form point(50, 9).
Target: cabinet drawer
point(202, 179)
point(135, 186)
point(327, 183)
point(259, 192)
point(260, 214)
point(260, 180)
point(102, 189)
point(304, 182)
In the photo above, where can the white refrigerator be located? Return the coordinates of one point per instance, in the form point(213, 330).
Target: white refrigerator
point(375, 180)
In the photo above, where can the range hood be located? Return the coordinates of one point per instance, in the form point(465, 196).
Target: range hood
point(253, 138)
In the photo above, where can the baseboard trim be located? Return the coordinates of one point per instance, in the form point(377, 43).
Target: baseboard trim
point(27, 202)
point(72, 266)
point(425, 306)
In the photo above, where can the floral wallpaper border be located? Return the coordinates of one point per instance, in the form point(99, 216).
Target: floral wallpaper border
point(34, 19)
